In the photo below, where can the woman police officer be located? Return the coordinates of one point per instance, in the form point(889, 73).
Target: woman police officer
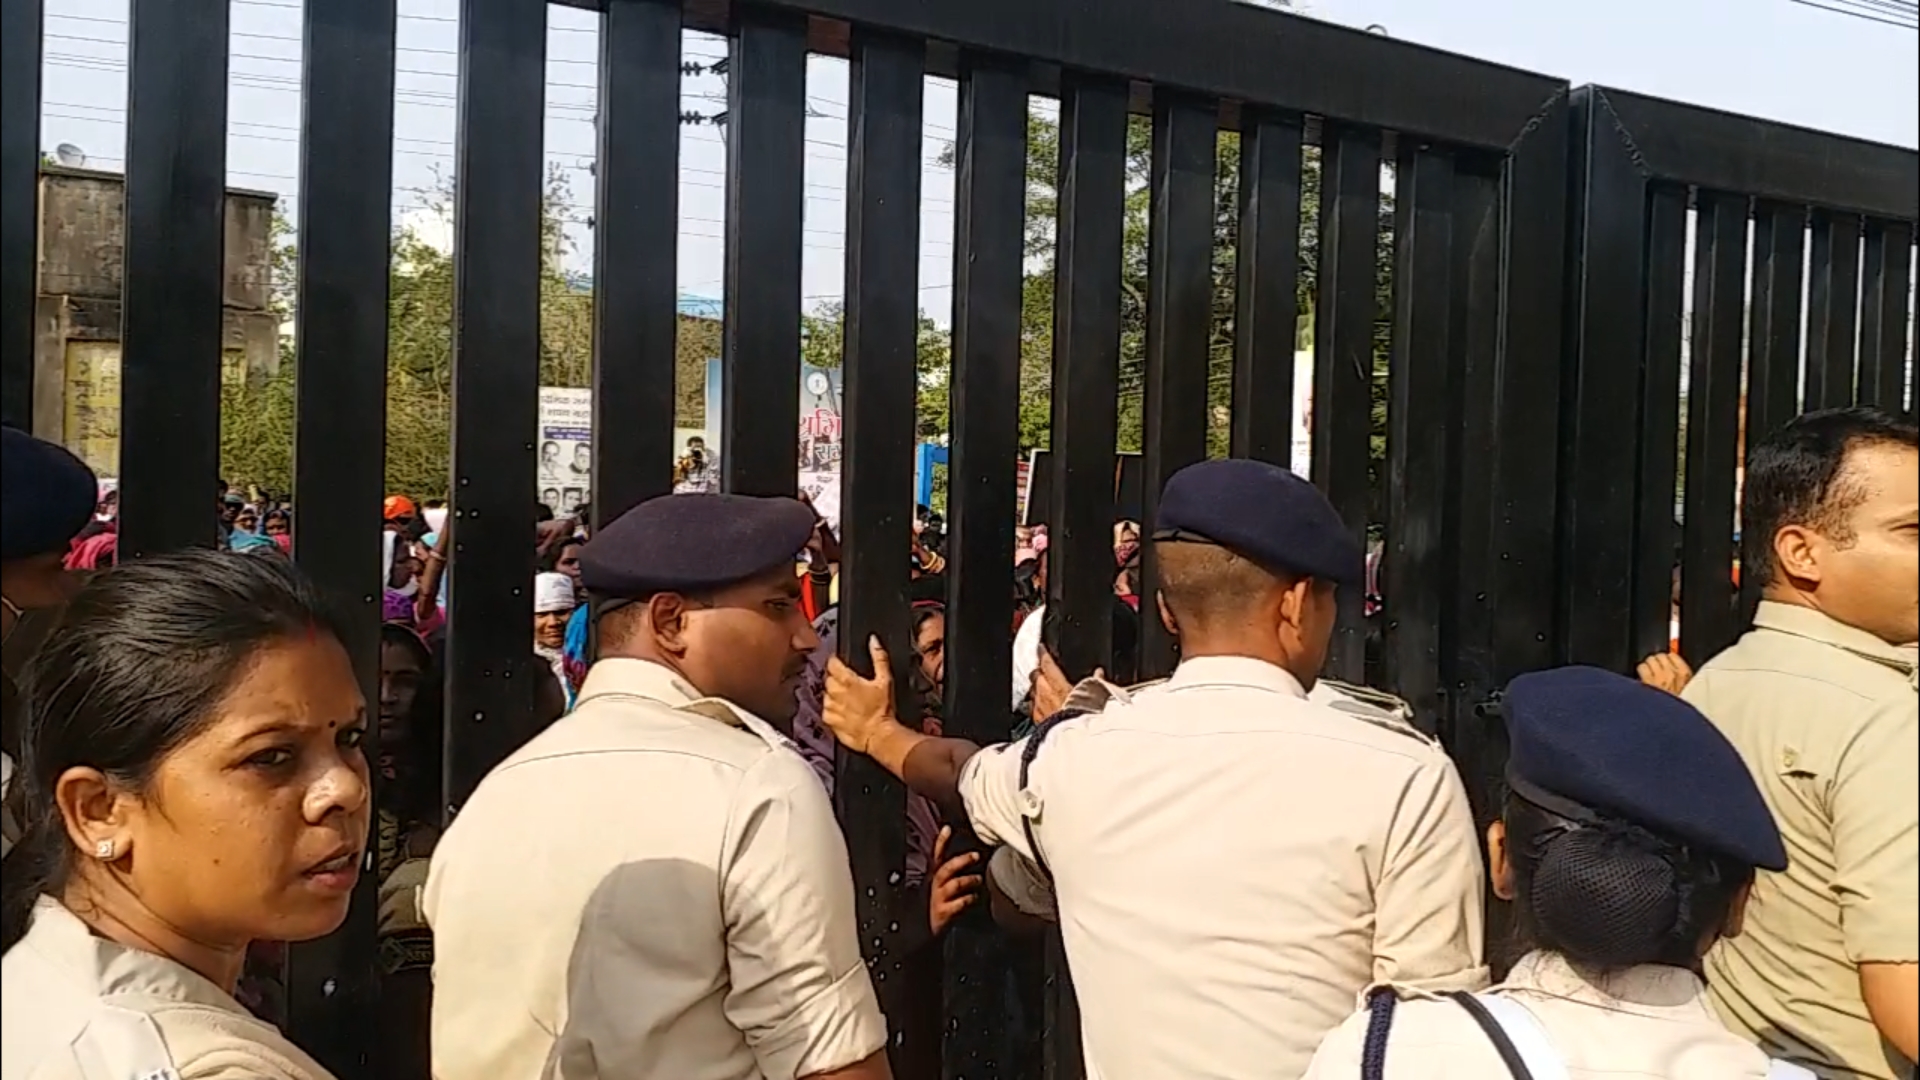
point(1628, 842)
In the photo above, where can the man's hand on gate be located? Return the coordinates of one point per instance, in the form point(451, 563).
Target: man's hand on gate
point(954, 890)
point(1051, 687)
point(858, 709)
point(1665, 671)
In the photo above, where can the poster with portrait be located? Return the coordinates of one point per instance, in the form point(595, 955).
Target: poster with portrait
point(819, 444)
point(564, 444)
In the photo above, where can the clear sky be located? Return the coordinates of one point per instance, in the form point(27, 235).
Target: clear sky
point(1771, 58)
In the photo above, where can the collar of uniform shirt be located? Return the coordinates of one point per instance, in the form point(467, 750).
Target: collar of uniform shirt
point(622, 676)
point(1234, 671)
point(1805, 622)
point(1649, 989)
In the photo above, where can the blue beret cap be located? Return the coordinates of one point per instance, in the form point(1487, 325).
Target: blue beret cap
point(1616, 746)
point(47, 497)
point(692, 543)
point(1262, 512)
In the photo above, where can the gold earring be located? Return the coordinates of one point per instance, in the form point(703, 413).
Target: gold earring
point(104, 849)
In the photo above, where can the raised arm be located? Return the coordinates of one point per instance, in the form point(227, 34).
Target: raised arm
point(427, 598)
point(982, 786)
point(859, 712)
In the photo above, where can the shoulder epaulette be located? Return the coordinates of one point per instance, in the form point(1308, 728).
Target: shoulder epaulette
point(1376, 707)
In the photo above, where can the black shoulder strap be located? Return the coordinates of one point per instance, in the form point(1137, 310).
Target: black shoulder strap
point(1027, 753)
point(1373, 1054)
point(1509, 1053)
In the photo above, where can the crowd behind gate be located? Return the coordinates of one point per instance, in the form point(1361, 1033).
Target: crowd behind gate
point(1255, 871)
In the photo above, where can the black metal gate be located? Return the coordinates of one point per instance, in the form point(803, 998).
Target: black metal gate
point(1441, 388)
point(1790, 228)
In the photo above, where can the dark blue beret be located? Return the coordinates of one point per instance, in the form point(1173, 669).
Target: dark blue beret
point(1264, 513)
point(1622, 748)
point(692, 543)
point(47, 497)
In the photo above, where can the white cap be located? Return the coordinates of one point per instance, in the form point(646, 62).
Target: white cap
point(552, 592)
point(436, 518)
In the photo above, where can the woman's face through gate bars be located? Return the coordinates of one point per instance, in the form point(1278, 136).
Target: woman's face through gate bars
point(402, 668)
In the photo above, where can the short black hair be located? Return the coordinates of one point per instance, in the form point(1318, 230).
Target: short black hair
point(1204, 583)
point(1797, 477)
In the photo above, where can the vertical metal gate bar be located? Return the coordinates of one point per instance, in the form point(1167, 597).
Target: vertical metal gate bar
point(1420, 430)
point(1343, 343)
point(1883, 314)
point(1531, 345)
point(1086, 362)
point(1773, 340)
point(1086, 366)
point(1474, 338)
point(884, 86)
point(173, 275)
point(1605, 337)
point(1659, 431)
point(1833, 310)
point(1266, 315)
point(20, 26)
point(340, 436)
point(766, 174)
point(1773, 337)
point(989, 217)
point(636, 227)
point(498, 187)
point(1713, 404)
point(1179, 325)
point(990, 159)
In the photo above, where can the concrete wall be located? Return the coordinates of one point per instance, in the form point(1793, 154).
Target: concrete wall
point(77, 316)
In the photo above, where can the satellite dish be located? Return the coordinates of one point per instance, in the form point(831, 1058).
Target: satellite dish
point(70, 155)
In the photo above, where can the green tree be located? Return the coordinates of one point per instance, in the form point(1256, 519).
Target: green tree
point(258, 416)
point(1036, 368)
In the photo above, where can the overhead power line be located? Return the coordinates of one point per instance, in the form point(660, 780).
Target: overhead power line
point(1885, 12)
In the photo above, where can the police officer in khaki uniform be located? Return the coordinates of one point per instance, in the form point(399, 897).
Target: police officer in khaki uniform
point(1820, 700)
point(1233, 862)
point(50, 495)
point(193, 783)
point(1022, 897)
point(1628, 842)
point(655, 888)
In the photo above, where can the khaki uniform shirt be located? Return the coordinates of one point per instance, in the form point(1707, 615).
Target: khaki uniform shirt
point(80, 1007)
point(1234, 863)
point(1645, 1023)
point(654, 888)
point(1826, 718)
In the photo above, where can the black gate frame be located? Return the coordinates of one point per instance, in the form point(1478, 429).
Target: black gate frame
point(1641, 164)
point(1504, 552)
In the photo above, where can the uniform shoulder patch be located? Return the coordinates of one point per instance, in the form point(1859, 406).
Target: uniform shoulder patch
point(123, 1042)
point(1376, 707)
